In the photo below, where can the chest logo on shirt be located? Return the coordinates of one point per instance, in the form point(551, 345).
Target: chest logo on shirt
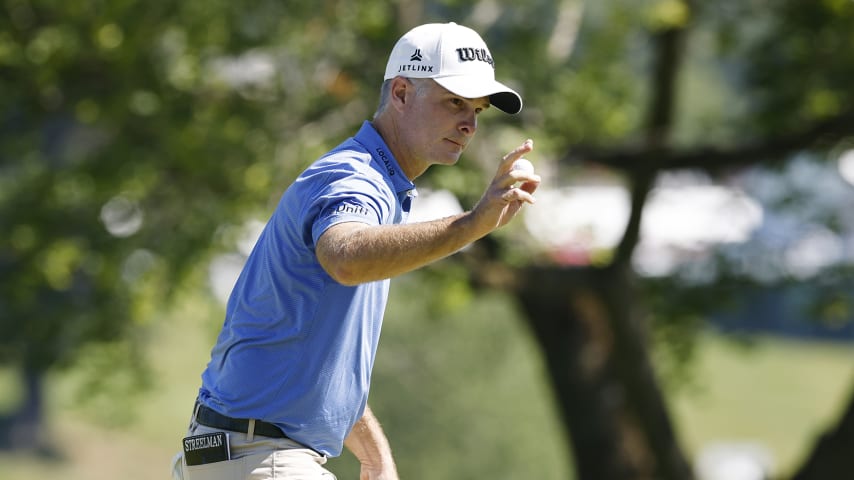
point(354, 209)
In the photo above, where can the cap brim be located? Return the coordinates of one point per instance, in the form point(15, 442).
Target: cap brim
point(500, 95)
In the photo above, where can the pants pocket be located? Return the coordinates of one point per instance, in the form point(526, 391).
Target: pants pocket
point(228, 470)
point(300, 464)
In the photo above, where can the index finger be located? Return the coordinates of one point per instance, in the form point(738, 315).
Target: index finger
point(516, 154)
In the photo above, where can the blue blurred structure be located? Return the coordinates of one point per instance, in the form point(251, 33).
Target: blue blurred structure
point(793, 310)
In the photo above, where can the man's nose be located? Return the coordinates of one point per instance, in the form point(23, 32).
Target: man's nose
point(469, 125)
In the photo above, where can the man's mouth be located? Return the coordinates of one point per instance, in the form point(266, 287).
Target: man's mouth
point(459, 144)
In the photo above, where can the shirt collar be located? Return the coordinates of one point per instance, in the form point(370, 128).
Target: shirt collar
point(376, 146)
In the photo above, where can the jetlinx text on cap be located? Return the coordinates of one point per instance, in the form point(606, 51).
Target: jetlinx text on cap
point(415, 68)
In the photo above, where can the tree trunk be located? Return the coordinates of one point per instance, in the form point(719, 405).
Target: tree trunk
point(832, 457)
point(604, 383)
point(24, 428)
point(577, 351)
point(638, 376)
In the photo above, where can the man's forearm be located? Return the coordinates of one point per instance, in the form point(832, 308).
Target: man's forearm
point(355, 253)
point(370, 445)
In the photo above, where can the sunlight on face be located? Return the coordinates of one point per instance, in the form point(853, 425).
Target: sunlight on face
point(441, 123)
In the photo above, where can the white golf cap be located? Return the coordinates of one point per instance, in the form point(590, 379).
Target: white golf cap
point(456, 58)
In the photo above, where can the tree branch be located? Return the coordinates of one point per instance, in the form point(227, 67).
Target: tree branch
point(772, 150)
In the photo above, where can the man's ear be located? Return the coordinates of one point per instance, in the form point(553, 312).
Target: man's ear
point(400, 87)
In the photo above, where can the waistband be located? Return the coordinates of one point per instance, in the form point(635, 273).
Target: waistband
point(211, 418)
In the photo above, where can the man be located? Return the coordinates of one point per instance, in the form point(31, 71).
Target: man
point(289, 375)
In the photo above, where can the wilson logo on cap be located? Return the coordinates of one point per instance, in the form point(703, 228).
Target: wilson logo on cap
point(471, 54)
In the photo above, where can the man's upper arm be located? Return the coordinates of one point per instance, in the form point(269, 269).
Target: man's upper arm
point(334, 250)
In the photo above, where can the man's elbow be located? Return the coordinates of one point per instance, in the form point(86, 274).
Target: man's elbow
point(345, 274)
point(340, 268)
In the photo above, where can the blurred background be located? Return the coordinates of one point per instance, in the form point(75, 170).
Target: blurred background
point(677, 305)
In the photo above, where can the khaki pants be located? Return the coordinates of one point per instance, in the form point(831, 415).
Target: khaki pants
point(256, 458)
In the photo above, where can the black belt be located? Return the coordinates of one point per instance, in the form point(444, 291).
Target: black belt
point(211, 418)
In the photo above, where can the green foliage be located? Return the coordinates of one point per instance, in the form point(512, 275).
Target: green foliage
point(130, 132)
point(676, 316)
point(794, 65)
point(817, 48)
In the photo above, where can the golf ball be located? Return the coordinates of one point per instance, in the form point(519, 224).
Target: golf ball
point(523, 164)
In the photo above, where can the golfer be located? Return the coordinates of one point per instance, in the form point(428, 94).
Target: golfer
point(287, 383)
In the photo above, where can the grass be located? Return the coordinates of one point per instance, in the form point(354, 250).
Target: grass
point(91, 446)
point(779, 393)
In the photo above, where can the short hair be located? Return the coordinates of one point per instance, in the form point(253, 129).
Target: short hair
point(385, 92)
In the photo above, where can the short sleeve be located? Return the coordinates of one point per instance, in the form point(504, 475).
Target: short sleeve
point(351, 196)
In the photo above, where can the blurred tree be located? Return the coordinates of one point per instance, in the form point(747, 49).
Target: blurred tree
point(591, 321)
point(135, 137)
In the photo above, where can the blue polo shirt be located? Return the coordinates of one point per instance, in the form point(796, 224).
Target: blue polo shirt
point(297, 348)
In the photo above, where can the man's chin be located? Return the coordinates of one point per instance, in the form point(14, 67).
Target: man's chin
point(454, 156)
point(452, 160)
